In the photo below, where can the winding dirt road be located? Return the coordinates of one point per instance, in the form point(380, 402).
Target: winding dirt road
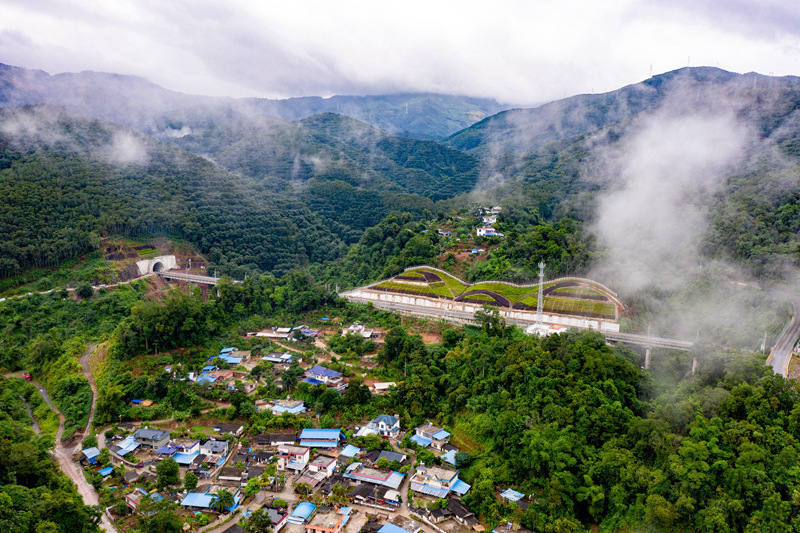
point(63, 454)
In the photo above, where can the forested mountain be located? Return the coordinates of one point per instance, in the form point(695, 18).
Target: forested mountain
point(526, 130)
point(149, 108)
point(66, 180)
point(327, 147)
point(753, 211)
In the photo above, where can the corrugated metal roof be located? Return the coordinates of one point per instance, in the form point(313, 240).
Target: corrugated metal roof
point(460, 487)
point(450, 457)
point(198, 499)
point(430, 491)
point(303, 510)
point(420, 441)
point(511, 494)
point(319, 443)
point(321, 434)
point(322, 371)
point(388, 527)
point(350, 451)
point(441, 434)
point(185, 458)
point(91, 453)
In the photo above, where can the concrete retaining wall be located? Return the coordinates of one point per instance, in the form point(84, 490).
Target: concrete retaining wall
point(463, 312)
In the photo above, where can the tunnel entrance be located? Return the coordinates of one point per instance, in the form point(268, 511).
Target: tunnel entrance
point(158, 266)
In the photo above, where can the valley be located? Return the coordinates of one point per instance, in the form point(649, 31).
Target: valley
point(411, 311)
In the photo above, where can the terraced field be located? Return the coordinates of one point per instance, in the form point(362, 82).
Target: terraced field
point(571, 296)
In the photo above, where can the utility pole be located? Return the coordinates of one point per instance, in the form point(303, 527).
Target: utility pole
point(540, 296)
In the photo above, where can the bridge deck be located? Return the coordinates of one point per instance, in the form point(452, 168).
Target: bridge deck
point(191, 278)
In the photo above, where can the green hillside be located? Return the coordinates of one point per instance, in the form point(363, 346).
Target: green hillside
point(63, 191)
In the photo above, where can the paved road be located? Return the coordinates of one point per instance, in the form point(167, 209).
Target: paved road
point(781, 354)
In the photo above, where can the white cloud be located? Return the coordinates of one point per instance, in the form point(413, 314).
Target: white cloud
point(521, 52)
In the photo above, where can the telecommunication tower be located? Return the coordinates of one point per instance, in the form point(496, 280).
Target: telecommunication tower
point(540, 298)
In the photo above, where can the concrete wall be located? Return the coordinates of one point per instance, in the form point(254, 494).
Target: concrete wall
point(463, 312)
point(166, 262)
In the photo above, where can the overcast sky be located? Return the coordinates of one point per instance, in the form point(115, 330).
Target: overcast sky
point(517, 52)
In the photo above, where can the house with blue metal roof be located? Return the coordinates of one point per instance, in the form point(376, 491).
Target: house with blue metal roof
point(302, 512)
point(388, 527)
point(321, 438)
point(293, 407)
point(437, 482)
point(284, 358)
point(125, 447)
point(91, 455)
point(325, 375)
point(430, 435)
point(349, 451)
point(204, 500)
point(231, 360)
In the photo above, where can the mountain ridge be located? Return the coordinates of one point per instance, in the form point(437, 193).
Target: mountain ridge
point(148, 107)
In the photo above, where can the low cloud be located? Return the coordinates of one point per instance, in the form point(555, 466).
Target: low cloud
point(662, 178)
point(125, 148)
point(523, 53)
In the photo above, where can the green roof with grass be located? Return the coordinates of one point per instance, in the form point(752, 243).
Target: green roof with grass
point(578, 297)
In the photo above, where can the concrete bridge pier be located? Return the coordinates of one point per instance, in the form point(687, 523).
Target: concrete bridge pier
point(694, 365)
point(647, 356)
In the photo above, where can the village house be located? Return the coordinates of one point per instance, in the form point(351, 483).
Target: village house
point(276, 333)
point(360, 329)
point(362, 474)
point(231, 475)
point(90, 455)
point(302, 512)
point(184, 445)
point(293, 407)
point(369, 494)
point(151, 438)
point(226, 428)
point(214, 447)
point(488, 231)
point(321, 438)
point(329, 520)
point(323, 464)
point(277, 517)
point(407, 525)
point(292, 457)
point(457, 511)
point(430, 435)
point(379, 387)
point(276, 439)
point(318, 374)
point(383, 425)
point(284, 358)
point(437, 482)
point(372, 457)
